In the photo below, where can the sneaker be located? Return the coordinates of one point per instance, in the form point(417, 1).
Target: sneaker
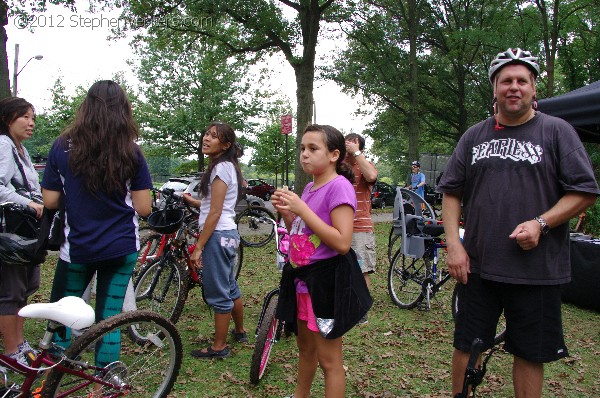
point(25, 346)
point(239, 337)
point(22, 357)
point(364, 320)
point(210, 353)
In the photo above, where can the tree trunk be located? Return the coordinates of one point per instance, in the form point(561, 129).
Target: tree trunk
point(304, 110)
point(305, 72)
point(413, 93)
point(4, 73)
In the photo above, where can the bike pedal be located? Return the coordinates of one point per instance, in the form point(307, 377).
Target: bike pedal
point(30, 356)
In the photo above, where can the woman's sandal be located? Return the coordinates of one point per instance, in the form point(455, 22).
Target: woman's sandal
point(209, 353)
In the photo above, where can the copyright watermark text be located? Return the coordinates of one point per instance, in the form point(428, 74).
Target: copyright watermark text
point(100, 21)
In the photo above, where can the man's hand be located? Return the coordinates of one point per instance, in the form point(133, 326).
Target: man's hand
point(527, 234)
point(351, 146)
point(458, 263)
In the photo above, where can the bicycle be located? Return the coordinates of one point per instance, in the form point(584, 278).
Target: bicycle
point(147, 368)
point(269, 328)
point(415, 281)
point(253, 226)
point(413, 275)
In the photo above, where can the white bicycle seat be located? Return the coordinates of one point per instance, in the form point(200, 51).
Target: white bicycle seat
point(70, 311)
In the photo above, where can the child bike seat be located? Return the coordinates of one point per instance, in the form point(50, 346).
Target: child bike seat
point(70, 311)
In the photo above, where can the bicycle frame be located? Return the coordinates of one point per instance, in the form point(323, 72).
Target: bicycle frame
point(159, 252)
point(44, 362)
point(434, 281)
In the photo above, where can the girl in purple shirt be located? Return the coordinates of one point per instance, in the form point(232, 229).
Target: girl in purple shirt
point(320, 225)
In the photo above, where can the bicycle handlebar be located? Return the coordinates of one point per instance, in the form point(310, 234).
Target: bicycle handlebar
point(172, 199)
point(473, 375)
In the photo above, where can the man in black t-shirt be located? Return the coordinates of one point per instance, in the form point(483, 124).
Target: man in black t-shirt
point(518, 178)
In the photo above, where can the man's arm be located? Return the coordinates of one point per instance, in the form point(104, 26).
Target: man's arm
point(528, 233)
point(457, 258)
point(366, 168)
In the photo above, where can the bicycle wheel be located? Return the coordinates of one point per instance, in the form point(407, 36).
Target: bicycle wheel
point(136, 370)
point(405, 280)
point(254, 227)
point(162, 286)
point(237, 262)
point(500, 329)
point(394, 244)
point(267, 336)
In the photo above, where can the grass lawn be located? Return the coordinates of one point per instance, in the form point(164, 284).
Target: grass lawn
point(399, 353)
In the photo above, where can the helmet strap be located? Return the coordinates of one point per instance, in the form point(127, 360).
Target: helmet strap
point(497, 127)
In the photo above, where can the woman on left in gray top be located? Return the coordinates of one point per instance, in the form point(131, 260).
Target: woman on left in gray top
point(17, 283)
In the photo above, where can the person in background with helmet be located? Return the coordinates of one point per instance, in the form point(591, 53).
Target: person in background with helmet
point(17, 283)
point(99, 172)
point(520, 176)
point(417, 179)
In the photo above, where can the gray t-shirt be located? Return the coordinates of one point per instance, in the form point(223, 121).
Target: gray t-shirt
point(510, 176)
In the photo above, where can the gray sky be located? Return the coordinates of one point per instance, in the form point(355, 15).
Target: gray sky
point(75, 48)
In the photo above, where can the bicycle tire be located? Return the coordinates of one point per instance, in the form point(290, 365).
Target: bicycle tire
point(171, 279)
point(267, 335)
point(394, 245)
point(238, 261)
point(253, 232)
point(149, 369)
point(501, 328)
point(405, 280)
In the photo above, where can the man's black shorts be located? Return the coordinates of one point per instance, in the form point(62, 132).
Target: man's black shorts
point(533, 318)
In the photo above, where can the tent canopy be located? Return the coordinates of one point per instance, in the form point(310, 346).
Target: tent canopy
point(581, 108)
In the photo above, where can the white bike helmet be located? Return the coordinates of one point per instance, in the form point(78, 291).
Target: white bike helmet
point(514, 56)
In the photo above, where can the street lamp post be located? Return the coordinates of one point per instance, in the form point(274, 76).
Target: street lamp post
point(16, 70)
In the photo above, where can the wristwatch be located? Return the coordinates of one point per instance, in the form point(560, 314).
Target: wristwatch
point(355, 154)
point(544, 227)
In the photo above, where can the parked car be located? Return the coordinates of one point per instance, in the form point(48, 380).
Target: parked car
point(189, 184)
point(260, 188)
point(383, 195)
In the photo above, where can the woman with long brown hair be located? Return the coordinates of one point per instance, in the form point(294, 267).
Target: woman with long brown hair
point(98, 171)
